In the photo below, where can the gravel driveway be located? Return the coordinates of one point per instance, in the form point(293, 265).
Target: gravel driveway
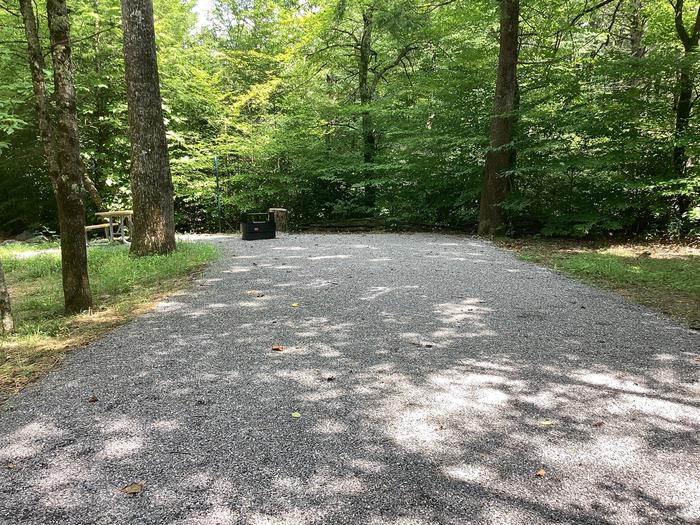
point(434, 378)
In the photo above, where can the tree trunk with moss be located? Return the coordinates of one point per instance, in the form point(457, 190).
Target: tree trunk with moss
point(61, 144)
point(151, 182)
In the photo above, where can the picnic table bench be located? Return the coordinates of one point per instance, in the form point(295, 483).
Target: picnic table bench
point(118, 218)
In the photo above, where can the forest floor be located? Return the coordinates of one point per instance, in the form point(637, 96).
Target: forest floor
point(663, 276)
point(366, 379)
point(122, 287)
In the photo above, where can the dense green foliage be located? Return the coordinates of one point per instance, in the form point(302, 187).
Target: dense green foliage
point(271, 89)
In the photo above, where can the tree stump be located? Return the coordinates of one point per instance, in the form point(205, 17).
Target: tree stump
point(281, 218)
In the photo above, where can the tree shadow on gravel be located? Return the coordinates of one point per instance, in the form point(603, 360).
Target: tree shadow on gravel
point(434, 393)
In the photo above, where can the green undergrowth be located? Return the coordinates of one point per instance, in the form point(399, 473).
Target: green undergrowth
point(665, 277)
point(122, 287)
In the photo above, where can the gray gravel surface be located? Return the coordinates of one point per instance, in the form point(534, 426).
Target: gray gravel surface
point(435, 376)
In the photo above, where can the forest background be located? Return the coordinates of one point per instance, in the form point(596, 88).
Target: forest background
point(281, 94)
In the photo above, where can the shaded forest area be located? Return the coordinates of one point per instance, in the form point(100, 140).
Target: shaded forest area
point(349, 109)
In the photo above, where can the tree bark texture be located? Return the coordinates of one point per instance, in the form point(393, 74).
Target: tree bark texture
point(501, 157)
point(41, 99)
point(686, 82)
point(281, 219)
point(71, 209)
point(637, 25)
point(151, 182)
point(8, 324)
point(61, 143)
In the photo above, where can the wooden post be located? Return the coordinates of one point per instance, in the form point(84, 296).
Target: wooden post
point(281, 218)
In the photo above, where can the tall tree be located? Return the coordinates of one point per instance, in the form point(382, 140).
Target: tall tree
point(689, 37)
point(637, 25)
point(7, 324)
point(501, 157)
point(151, 182)
point(61, 144)
point(360, 28)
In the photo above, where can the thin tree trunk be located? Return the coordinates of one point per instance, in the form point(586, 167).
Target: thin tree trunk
point(61, 146)
point(683, 110)
point(8, 325)
point(501, 157)
point(151, 182)
point(100, 111)
point(684, 104)
point(41, 98)
point(369, 139)
point(637, 26)
point(92, 190)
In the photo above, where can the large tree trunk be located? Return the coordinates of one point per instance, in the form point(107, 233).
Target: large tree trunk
point(71, 208)
point(501, 157)
point(8, 324)
point(61, 146)
point(151, 182)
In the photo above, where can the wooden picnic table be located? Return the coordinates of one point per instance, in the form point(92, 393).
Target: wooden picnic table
point(120, 216)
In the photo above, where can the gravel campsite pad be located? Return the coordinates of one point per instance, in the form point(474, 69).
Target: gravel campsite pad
point(366, 379)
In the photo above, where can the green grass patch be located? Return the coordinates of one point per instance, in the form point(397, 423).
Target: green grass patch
point(663, 277)
point(122, 287)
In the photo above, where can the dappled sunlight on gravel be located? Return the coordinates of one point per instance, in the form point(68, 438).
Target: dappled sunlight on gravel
point(417, 379)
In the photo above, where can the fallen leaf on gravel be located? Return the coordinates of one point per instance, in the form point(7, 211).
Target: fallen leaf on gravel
point(133, 488)
point(295, 305)
point(10, 466)
point(540, 473)
point(93, 399)
point(296, 414)
point(547, 423)
point(598, 424)
point(330, 378)
point(277, 348)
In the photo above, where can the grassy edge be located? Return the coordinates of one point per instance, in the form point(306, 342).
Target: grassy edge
point(85, 328)
point(681, 307)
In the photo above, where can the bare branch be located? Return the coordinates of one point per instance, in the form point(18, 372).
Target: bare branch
point(349, 33)
point(588, 10)
point(610, 28)
point(380, 72)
